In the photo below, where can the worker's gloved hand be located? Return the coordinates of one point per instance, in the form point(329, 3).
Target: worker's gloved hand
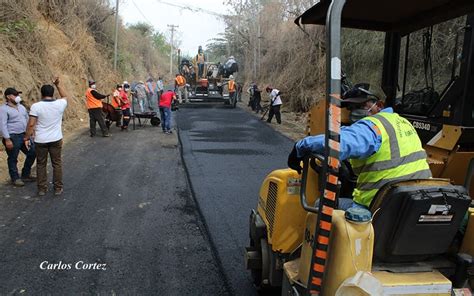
point(294, 162)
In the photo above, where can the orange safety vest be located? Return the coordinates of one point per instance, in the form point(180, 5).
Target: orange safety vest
point(180, 81)
point(116, 103)
point(92, 102)
point(231, 86)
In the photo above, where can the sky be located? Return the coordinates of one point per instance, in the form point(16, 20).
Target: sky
point(195, 28)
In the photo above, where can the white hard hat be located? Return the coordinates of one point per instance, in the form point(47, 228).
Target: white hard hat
point(231, 77)
point(125, 82)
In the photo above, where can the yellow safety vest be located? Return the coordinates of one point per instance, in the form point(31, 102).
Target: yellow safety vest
point(200, 58)
point(400, 157)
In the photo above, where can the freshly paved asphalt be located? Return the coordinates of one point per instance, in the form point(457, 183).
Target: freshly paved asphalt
point(127, 204)
point(227, 153)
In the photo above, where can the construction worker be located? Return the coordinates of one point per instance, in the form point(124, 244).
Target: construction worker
point(94, 107)
point(166, 101)
point(180, 87)
point(231, 87)
point(151, 93)
point(124, 104)
point(381, 146)
point(140, 94)
point(200, 60)
point(275, 104)
point(117, 103)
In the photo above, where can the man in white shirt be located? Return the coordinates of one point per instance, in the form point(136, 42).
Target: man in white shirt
point(275, 104)
point(45, 124)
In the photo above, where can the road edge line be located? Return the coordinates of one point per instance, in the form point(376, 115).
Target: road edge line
point(204, 230)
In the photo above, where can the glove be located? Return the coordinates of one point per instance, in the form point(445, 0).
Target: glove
point(294, 162)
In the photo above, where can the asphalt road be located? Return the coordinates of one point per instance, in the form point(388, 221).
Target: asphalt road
point(227, 153)
point(127, 204)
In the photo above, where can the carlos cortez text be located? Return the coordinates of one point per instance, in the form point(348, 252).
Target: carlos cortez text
point(79, 265)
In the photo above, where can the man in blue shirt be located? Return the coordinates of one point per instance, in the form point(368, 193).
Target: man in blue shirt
point(13, 121)
point(363, 140)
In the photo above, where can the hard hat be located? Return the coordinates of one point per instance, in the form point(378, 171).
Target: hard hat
point(91, 82)
point(231, 58)
point(125, 82)
point(231, 77)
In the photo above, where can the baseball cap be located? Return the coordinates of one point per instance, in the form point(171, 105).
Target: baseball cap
point(11, 91)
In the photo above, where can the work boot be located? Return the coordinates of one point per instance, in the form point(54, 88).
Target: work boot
point(18, 183)
point(28, 179)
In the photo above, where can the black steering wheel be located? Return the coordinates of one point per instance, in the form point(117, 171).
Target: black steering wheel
point(346, 175)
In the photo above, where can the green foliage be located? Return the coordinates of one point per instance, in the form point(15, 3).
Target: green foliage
point(144, 29)
point(160, 43)
point(13, 28)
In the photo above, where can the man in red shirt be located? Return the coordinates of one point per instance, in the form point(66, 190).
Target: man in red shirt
point(165, 110)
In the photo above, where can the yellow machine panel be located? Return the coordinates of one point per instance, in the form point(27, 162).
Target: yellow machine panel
point(280, 208)
point(414, 284)
point(350, 251)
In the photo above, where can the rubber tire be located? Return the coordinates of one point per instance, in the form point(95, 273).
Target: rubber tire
point(155, 121)
point(256, 273)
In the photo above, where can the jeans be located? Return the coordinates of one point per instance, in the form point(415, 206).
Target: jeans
point(96, 115)
point(151, 97)
point(182, 92)
point(345, 203)
point(19, 145)
point(165, 114)
point(200, 70)
point(54, 150)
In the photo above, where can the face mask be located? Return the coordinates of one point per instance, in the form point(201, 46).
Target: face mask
point(17, 100)
point(358, 114)
point(93, 86)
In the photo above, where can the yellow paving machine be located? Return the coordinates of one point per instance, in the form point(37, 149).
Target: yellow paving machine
point(418, 236)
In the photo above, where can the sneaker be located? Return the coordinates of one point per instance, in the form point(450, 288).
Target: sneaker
point(41, 193)
point(18, 183)
point(58, 191)
point(168, 132)
point(106, 135)
point(29, 179)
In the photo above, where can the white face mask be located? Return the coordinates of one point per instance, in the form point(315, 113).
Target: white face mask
point(93, 86)
point(17, 100)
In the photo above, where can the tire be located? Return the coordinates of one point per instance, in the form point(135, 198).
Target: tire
point(155, 121)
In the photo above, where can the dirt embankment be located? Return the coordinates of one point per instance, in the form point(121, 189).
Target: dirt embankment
point(35, 50)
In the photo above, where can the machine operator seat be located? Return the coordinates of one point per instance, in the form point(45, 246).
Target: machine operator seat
point(415, 220)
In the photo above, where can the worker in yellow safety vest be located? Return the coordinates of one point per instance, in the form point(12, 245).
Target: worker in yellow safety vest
point(94, 107)
point(200, 60)
point(381, 145)
point(180, 87)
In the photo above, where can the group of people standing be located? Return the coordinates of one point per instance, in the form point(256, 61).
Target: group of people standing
point(255, 99)
point(37, 134)
point(145, 95)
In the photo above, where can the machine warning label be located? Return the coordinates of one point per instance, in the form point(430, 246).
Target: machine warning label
point(293, 186)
